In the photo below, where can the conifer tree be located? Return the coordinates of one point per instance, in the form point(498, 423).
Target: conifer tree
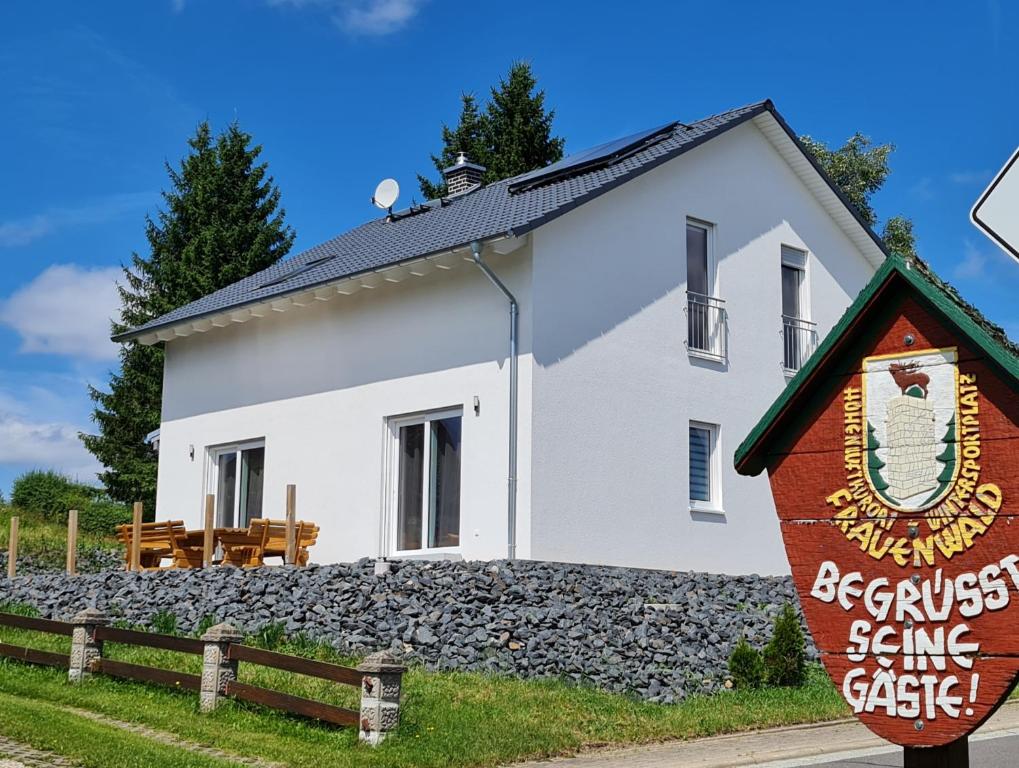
point(221, 222)
point(874, 463)
point(947, 456)
point(511, 136)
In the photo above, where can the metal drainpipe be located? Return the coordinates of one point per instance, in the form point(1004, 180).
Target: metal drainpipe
point(511, 494)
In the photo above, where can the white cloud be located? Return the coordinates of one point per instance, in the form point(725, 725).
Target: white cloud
point(41, 414)
point(363, 17)
point(45, 445)
point(923, 189)
point(973, 265)
point(18, 232)
point(378, 17)
point(66, 310)
point(968, 178)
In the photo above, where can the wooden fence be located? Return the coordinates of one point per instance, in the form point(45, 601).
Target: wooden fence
point(89, 634)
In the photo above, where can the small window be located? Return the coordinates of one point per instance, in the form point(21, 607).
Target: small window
point(427, 503)
point(705, 468)
point(235, 477)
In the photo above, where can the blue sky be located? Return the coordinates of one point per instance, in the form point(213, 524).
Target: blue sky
point(341, 93)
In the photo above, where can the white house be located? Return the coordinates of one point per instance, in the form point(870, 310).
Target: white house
point(557, 366)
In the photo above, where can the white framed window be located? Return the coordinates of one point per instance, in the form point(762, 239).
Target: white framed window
point(705, 475)
point(799, 333)
point(700, 262)
point(424, 481)
point(235, 476)
point(705, 312)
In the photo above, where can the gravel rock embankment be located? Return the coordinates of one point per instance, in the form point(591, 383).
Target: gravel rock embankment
point(662, 635)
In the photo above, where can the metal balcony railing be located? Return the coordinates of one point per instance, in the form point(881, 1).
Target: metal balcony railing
point(705, 325)
point(799, 339)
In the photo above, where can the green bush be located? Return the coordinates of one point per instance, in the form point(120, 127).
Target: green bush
point(164, 623)
point(49, 494)
point(746, 667)
point(102, 516)
point(785, 657)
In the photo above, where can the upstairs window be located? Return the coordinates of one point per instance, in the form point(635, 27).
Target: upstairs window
point(799, 334)
point(705, 313)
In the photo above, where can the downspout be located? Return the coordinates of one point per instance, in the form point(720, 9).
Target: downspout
point(511, 492)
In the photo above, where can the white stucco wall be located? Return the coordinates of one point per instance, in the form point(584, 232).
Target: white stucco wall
point(318, 383)
point(614, 389)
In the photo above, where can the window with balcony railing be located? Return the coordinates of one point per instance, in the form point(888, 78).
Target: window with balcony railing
point(799, 339)
point(799, 335)
point(705, 314)
point(705, 325)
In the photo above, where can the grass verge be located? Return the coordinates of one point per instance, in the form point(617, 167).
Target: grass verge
point(50, 728)
point(463, 719)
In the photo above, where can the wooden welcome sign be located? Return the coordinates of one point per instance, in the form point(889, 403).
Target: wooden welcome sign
point(893, 458)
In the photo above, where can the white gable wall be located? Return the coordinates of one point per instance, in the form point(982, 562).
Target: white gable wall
point(318, 383)
point(614, 388)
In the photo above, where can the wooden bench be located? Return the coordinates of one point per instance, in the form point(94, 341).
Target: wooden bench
point(163, 539)
point(266, 538)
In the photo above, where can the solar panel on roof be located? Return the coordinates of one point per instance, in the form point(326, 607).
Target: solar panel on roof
point(603, 154)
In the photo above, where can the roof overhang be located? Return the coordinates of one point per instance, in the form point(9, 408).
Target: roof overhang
point(835, 203)
point(305, 296)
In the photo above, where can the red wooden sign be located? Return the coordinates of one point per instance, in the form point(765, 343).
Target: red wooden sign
point(895, 472)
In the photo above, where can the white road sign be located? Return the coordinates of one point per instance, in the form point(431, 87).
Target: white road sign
point(997, 210)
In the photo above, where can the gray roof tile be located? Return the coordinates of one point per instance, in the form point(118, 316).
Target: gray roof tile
point(483, 213)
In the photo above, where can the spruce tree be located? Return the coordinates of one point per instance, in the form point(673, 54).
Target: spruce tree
point(511, 136)
point(469, 136)
point(874, 464)
point(222, 221)
point(947, 456)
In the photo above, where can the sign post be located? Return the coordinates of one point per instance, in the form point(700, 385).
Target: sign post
point(893, 459)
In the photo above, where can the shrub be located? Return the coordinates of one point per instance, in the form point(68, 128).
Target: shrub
point(785, 657)
point(49, 494)
point(164, 623)
point(102, 516)
point(208, 622)
point(270, 636)
point(746, 667)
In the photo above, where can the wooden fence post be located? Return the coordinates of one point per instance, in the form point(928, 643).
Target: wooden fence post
point(208, 541)
point(291, 542)
point(72, 542)
point(12, 548)
point(136, 538)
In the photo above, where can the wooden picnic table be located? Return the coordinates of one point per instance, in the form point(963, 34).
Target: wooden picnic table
point(241, 547)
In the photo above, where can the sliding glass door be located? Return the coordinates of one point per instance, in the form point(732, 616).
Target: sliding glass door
point(236, 479)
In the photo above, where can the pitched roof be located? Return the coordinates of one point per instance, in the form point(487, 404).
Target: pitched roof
point(896, 270)
point(502, 208)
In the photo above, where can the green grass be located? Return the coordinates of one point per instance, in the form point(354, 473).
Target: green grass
point(47, 727)
point(465, 719)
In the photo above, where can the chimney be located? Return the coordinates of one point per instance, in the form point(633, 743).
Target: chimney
point(462, 175)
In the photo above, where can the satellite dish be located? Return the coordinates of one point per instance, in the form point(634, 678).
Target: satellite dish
point(386, 193)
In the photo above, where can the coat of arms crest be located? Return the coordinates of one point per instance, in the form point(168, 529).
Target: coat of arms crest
point(911, 408)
